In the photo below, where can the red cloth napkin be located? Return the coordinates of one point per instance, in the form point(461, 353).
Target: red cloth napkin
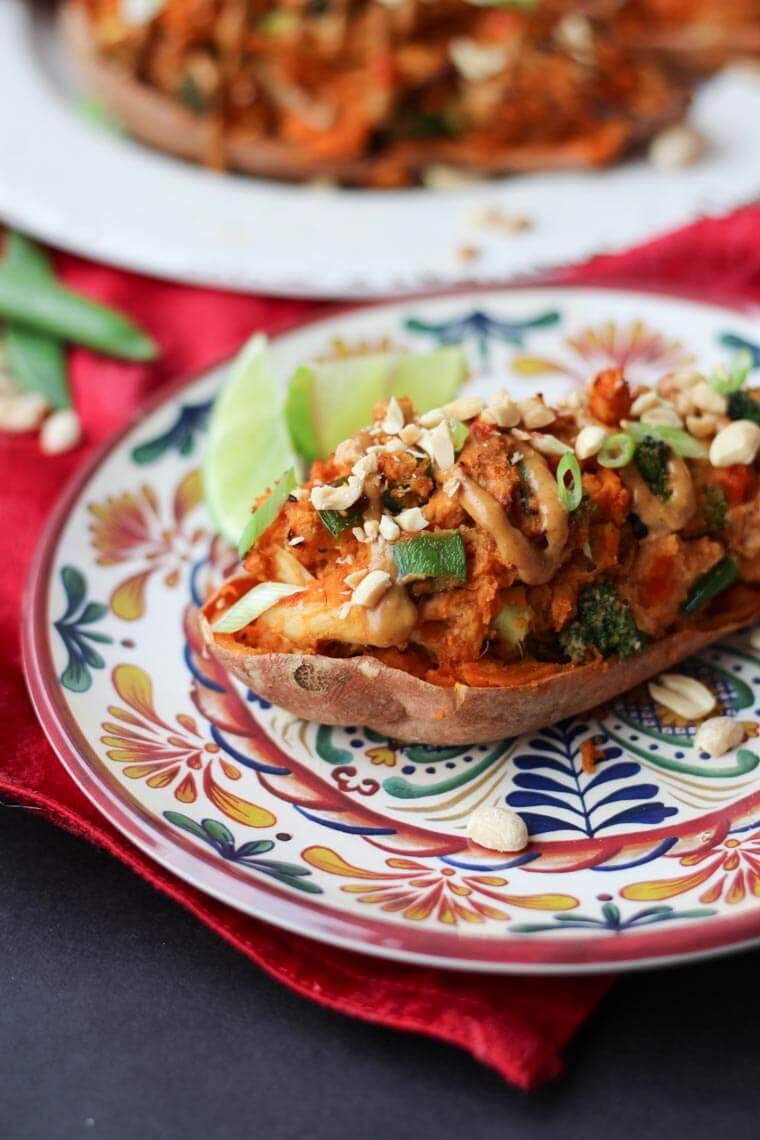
point(517, 1025)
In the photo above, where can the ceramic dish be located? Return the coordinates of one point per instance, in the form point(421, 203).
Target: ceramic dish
point(357, 840)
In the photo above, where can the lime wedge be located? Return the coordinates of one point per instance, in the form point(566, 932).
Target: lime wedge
point(328, 402)
point(248, 446)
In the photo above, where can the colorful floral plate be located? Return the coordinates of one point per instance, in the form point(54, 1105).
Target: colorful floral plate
point(342, 835)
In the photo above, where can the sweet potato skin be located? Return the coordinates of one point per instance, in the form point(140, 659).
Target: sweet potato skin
point(399, 705)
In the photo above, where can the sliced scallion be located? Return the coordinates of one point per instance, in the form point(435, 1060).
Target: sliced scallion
point(570, 494)
point(338, 521)
point(267, 512)
point(511, 625)
point(616, 451)
point(440, 554)
point(731, 379)
point(459, 433)
point(253, 605)
point(715, 581)
point(677, 440)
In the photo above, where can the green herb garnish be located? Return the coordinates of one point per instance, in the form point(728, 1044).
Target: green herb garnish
point(253, 605)
point(191, 95)
point(523, 490)
point(431, 125)
point(616, 451)
point(91, 108)
point(743, 406)
point(459, 433)
point(511, 625)
point(338, 521)
point(267, 512)
point(440, 554)
point(710, 585)
point(279, 21)
point(570, 495)
point(679, 441)
point(731, 379)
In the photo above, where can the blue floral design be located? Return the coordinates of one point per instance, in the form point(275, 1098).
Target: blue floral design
point(731, 340)
point(611, 919)
point(217, 835)
point(76, 677)
point(180, 437)
point(551, 780)
point(483, 327)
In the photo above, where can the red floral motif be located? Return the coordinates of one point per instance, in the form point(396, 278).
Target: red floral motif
point(644, 353)
point(731, 868)
point(153, 750)
point(131, 528)
point(417, 892)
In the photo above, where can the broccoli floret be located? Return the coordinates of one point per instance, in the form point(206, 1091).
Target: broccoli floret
point(651, 457)
point(604, 622)
point(714, 507)
point(743, 406)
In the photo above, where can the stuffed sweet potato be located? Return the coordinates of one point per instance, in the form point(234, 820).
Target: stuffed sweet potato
point(489, 568)
point(372, 93)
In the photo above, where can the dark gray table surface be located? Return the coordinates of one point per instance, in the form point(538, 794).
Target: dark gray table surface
point(123, 1018)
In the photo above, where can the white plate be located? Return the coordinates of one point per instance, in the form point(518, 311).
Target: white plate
point(73, 184)
point(339, 834)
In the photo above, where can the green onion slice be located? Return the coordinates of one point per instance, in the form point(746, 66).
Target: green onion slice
point(459, 433)
point(617, 450)
point(265, 515)
point(440, 554)
point(715, 581)
point(678, 440)
point(253, 604)
point(512, 625)
point(569, 495)
point(338, 521)
point(731, 379)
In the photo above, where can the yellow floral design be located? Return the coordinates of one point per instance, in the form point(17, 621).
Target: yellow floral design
point(731, 869)
point(154, 750)
point(382, 756)
point(131, 528)
point(417, 891)
point(345, 350)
